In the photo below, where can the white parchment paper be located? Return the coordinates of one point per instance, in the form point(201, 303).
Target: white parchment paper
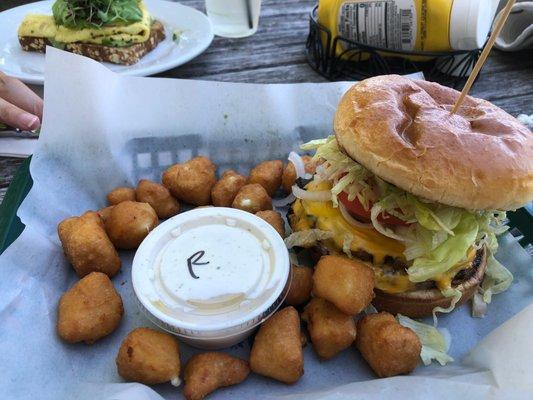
point(101, 130)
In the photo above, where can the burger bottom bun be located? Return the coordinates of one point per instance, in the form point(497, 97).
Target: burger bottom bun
point(420, 303)
point(417, 303)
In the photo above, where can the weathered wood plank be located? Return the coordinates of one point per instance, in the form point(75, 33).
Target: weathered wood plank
point(8, 167)
point(276, 54)
point(505, 84)
point(291, 73)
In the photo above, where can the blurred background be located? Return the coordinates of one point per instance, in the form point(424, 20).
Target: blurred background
point(276, 53)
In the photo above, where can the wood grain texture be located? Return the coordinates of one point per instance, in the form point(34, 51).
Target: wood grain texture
point(276, 54)
point(8, 167)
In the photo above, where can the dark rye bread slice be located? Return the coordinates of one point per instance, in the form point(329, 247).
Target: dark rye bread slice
point(127, 55)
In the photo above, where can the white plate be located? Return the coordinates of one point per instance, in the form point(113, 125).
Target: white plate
point(196, 35)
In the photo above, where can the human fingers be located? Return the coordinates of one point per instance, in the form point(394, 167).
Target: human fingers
point(16, 117)
point(17, 93)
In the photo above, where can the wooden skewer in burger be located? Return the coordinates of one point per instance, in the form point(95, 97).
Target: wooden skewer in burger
point(416, 191)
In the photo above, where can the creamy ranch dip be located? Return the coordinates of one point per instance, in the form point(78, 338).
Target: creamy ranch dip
point(213, 265)
point(211, 272)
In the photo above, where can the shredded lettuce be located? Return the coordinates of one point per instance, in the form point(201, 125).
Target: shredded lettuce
point(438, 217)
point(447, 254)
point(479, 307)
point(422, 242)
point(340, 169)
point(433, 344)
point(374, 213)
point(436, 236)
point(497, 279)
point(346, 245)
point(456, 295)
point(315, 144)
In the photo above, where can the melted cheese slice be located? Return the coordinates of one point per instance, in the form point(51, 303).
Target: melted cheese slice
point(397, 283)
point(322, 215)
point(329, 218)
point(44, 26)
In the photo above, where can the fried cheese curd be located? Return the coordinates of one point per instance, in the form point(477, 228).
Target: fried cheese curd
point(288, 179)
point(252, 198)
point(301, 285)
point(388, 347)
point(267, 174)
point(191, 181)
point(120, 194)
point(87, 246)
point(277, 349)
point(330, 329)
point(89, 310)
point(105, 212)
point(274, 219)
point(149, 356)
point(225, 190)
point(348, 284)
point(206, 372)
point(129, 223)
point(158, 197)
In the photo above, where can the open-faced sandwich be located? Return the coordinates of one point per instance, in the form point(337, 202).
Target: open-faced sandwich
point(116, 31)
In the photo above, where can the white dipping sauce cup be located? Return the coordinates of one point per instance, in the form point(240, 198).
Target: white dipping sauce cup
point(211, 275)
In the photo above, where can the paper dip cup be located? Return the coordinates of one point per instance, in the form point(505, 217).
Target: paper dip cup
point(211, 275)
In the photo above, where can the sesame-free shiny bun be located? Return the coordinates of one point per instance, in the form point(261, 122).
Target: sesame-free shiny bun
point(403, 131)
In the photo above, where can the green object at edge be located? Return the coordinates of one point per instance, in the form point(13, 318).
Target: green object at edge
point(10, 225)
point(79, 14)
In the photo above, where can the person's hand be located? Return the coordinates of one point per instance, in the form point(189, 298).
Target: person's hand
point(19, 106)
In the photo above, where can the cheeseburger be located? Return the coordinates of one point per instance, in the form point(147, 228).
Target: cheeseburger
point(417, 192)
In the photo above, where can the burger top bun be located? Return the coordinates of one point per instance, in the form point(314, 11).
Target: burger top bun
point(402, 130)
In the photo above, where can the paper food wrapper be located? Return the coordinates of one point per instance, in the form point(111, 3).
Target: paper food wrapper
point(102, 130)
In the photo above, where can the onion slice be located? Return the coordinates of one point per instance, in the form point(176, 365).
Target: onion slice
point(299, 165)
point(322, 195)
point(374, 212)
point(306, 238)
point(284, 201)
point(351, 220)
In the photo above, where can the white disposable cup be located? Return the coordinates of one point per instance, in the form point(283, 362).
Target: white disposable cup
point(233, 18)
point(174, 292)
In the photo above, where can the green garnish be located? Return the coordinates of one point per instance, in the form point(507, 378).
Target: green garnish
point(56, 44)
point(433, 343)
point(116, 43)
point(176, 35)
point(79, 14)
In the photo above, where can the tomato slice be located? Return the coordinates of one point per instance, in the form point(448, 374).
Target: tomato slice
point(358, 211)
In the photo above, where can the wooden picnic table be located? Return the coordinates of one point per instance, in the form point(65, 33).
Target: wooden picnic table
point(276, 54)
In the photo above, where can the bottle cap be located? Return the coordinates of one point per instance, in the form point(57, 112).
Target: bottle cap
point(470, 23)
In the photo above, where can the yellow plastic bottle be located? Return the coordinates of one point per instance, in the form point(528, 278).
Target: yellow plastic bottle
point(409, 25)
